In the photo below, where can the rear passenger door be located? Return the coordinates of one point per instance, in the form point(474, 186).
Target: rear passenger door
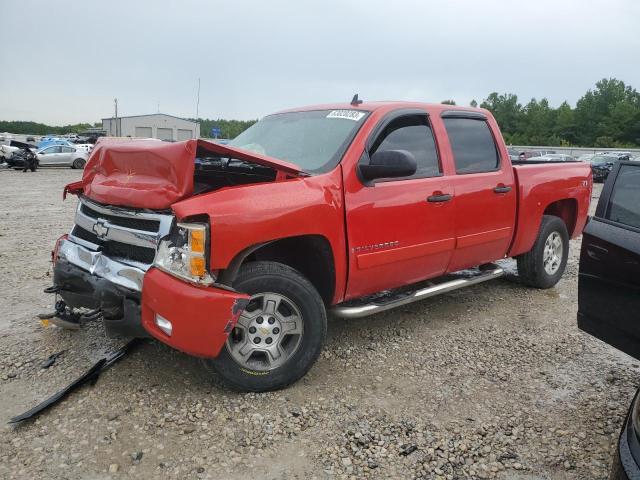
point(609, 278)
point(485, 193)
point(65, 157)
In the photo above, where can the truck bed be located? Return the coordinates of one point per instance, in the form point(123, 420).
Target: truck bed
point(558, 188)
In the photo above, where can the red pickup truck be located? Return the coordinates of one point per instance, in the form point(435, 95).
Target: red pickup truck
point(235, 253)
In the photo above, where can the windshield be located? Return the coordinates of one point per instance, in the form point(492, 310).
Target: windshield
point(314, 140)
point(600, 160)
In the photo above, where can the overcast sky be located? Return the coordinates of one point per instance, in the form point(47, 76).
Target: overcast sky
point(64, 61)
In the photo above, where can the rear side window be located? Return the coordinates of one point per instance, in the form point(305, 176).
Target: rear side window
point(412, 133)
point(624, 204)
point(474, 149)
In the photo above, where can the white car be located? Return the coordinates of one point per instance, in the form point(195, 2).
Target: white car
point(586, 157)
point(61, 155)
point(84, 147)
point(8, 151)
point(555, 157)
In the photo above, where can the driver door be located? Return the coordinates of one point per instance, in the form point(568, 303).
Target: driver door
point(400, 230)
point(48, 155)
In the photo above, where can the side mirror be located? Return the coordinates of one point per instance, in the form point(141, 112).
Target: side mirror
point(389, 164)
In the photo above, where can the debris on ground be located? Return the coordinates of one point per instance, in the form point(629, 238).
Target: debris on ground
point(90, 376)
point(52, 359)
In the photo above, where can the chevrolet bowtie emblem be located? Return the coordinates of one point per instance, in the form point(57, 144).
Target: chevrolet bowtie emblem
point(130, 175)
point(100, 229)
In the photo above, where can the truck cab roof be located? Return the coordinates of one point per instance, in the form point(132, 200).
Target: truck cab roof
point(386, 106)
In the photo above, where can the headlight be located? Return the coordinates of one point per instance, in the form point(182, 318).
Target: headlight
point(183, 253)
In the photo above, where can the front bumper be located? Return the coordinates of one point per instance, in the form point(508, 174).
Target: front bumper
point(201, 317)
point(599, 174)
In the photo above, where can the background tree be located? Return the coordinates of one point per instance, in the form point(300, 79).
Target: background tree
point(229, 128)
point(506, 109)
point(605, 116)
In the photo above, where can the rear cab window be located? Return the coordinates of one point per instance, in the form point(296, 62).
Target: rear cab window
point(473, 145)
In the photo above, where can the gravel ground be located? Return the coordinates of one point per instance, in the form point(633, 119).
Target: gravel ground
point(494, 381)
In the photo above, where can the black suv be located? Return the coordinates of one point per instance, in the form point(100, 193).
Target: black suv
point(601, 166)
point(609, 289)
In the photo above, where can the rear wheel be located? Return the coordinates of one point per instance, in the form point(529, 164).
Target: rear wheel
point(78, 163)
point(280, 333)
point(544, 264)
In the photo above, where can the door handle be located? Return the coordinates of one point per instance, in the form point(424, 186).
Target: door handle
point(594, 251)
point(502, 189)
point(439, 198)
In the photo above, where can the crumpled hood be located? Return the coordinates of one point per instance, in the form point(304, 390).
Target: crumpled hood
point(153, 174)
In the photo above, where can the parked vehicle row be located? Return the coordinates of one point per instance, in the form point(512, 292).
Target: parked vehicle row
point(54, 153)
point(601, 162)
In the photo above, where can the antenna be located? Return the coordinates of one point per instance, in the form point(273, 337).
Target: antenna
point(198, 100)
point(115, 103)
point(355, 101)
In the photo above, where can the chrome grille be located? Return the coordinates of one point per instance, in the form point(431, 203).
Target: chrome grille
point(134, 223)
point(127, 235)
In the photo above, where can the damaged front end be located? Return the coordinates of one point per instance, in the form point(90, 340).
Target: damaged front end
point(109, 263)
point(131, 259)
point(154, 175)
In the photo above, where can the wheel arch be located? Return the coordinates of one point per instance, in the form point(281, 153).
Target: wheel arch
point(311, 255)
point(565, 209)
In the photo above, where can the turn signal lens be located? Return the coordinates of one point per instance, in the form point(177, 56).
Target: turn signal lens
point(196, 266)
point(197, 240)
point(183, 253)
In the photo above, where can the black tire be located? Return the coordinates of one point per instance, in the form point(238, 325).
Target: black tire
point(78, 163)
point(261, 277)
point(531, 264)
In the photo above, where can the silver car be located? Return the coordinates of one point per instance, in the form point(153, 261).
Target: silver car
point(63, 156)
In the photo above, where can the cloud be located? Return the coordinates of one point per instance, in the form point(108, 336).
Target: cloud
point(65, 61)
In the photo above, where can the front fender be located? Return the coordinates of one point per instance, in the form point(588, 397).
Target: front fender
point(248, 215)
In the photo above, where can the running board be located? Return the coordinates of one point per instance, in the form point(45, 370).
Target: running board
point(389, 300)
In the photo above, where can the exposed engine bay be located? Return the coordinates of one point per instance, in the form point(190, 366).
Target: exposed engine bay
point(213, 172)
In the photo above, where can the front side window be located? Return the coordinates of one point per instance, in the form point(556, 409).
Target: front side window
point(474, 149)
point(412, 133)
point(313, 140)
point(624, 204)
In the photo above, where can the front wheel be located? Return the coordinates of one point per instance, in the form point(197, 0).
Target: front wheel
point(544, 264)
point(279, 335)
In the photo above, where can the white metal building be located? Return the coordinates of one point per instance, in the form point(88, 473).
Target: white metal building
point(156, 125)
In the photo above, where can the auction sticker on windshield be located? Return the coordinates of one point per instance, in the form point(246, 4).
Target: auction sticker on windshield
point(354, 115)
